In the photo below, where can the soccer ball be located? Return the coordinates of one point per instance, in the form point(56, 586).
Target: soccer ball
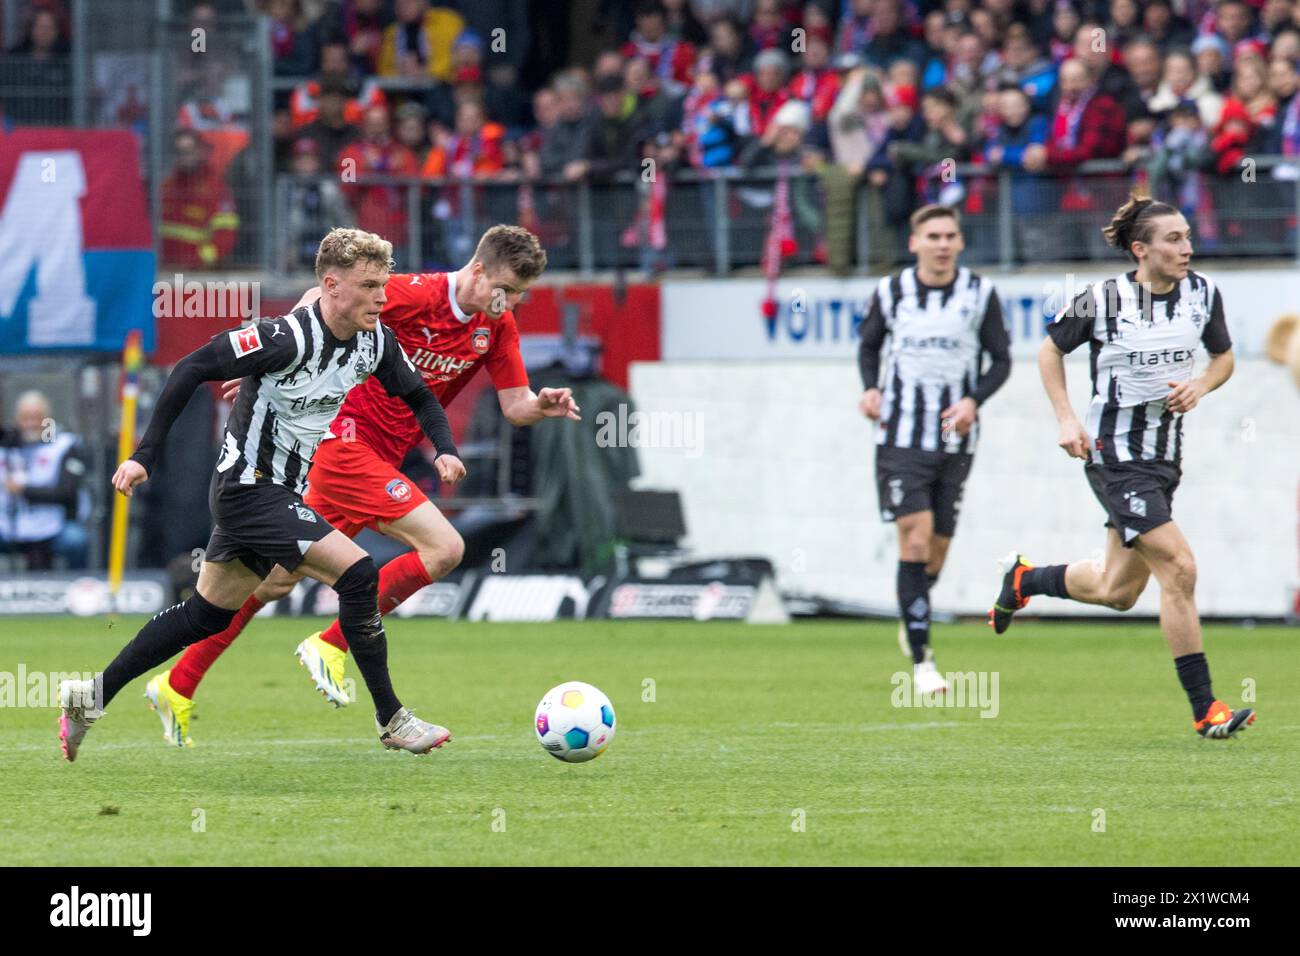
point(575, 722)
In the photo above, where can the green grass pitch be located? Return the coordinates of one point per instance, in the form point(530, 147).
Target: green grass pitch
point(762, 745)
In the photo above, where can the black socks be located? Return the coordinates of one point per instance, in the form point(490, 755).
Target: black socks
point(168, 633)
point(1194, 675)
point(914, 606)
point(1049, 580)
point(358, 591)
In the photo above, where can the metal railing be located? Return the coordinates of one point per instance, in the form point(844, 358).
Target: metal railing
point(718, 221)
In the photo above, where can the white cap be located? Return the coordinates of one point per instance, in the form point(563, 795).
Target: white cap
point(795, 114)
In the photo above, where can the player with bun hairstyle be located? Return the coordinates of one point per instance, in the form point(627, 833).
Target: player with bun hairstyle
point(1143, 328)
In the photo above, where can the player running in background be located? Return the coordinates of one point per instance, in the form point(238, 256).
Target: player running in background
point(451, 324)
point(940, 321)
point(1143, 329)
point(299, 368)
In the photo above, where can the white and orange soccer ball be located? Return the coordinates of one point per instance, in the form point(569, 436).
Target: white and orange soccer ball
point(575, 722)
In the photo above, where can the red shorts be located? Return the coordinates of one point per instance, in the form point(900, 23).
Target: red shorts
point(352, 488)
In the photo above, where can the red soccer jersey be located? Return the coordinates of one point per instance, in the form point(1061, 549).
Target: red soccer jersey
point(445, 350)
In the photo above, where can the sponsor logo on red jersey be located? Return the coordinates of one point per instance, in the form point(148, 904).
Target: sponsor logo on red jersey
point(245, 341)
point(482, 338)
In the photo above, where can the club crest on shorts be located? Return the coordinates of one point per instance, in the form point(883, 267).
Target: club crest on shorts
point(304, 513)
point(482, 338)
point(398, 490)
point(895, 491)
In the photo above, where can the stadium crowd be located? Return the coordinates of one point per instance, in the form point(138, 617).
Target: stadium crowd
point(893, 93)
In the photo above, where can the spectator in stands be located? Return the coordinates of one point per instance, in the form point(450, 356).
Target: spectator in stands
point(933, 158)
point(565, 146)
point(507, 20)
point(1250, 90)
point(965, 75)
point(1211, 54)
point(199, 223)
point(890, 39)
point(1144, 64)
point(1017, 130)
point(40, 62)
point(659, 111)
point(295, 43)
point(336, 69)
point(1065, 26)
point(895, 190)
point(506, 103)
point(41, 471)
point(855, 29)
point(363, 23)
point(1110, 77)
point(815, 82)
point(684, 24)
point(766, 88)
point(313, 205)
point(671, 58)
point(1024, 65)
point(1282, 83)
point(859, 121)
point(546, 112)
point(331, 129)
point(1089, 124)
point(768, 28)
point(473, 150)
point(420, 43)
point(618, 132)
point(1176, 159)
point(1286, 44)
point(283, 136)
point(783, 146)
point(1274, 15)
point(1181, 83)
point(409, 121)
point(1124, 25)
point(856, 126)
point(1164, 28)
point(378, 208)
point(709, 119)
point(1139, 141)
point(1233, 21)
point(729, 52)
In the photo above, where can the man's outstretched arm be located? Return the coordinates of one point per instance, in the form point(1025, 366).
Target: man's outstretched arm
point(231, 354)
point(521, 406)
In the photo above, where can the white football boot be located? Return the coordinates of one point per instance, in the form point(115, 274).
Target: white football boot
point(405, 731)
point(926, 678)
point(79, 710)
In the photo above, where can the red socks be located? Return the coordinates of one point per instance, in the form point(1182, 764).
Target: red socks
point(398, 580)
point(194, 663)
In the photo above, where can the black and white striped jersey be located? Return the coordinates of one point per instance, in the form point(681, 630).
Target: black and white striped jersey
point(934, 339)
point(1140, 341)
point(295, 374)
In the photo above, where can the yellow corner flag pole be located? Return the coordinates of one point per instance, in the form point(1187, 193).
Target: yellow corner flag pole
point(132, 359)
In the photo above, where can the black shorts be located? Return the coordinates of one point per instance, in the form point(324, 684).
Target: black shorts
point(909, 480)
point(1138, 495)
point(261, 525)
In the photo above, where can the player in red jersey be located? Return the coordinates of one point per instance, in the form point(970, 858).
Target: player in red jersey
point(450, 325)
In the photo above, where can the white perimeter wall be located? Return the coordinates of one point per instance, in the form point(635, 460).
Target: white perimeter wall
point(784, 469)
